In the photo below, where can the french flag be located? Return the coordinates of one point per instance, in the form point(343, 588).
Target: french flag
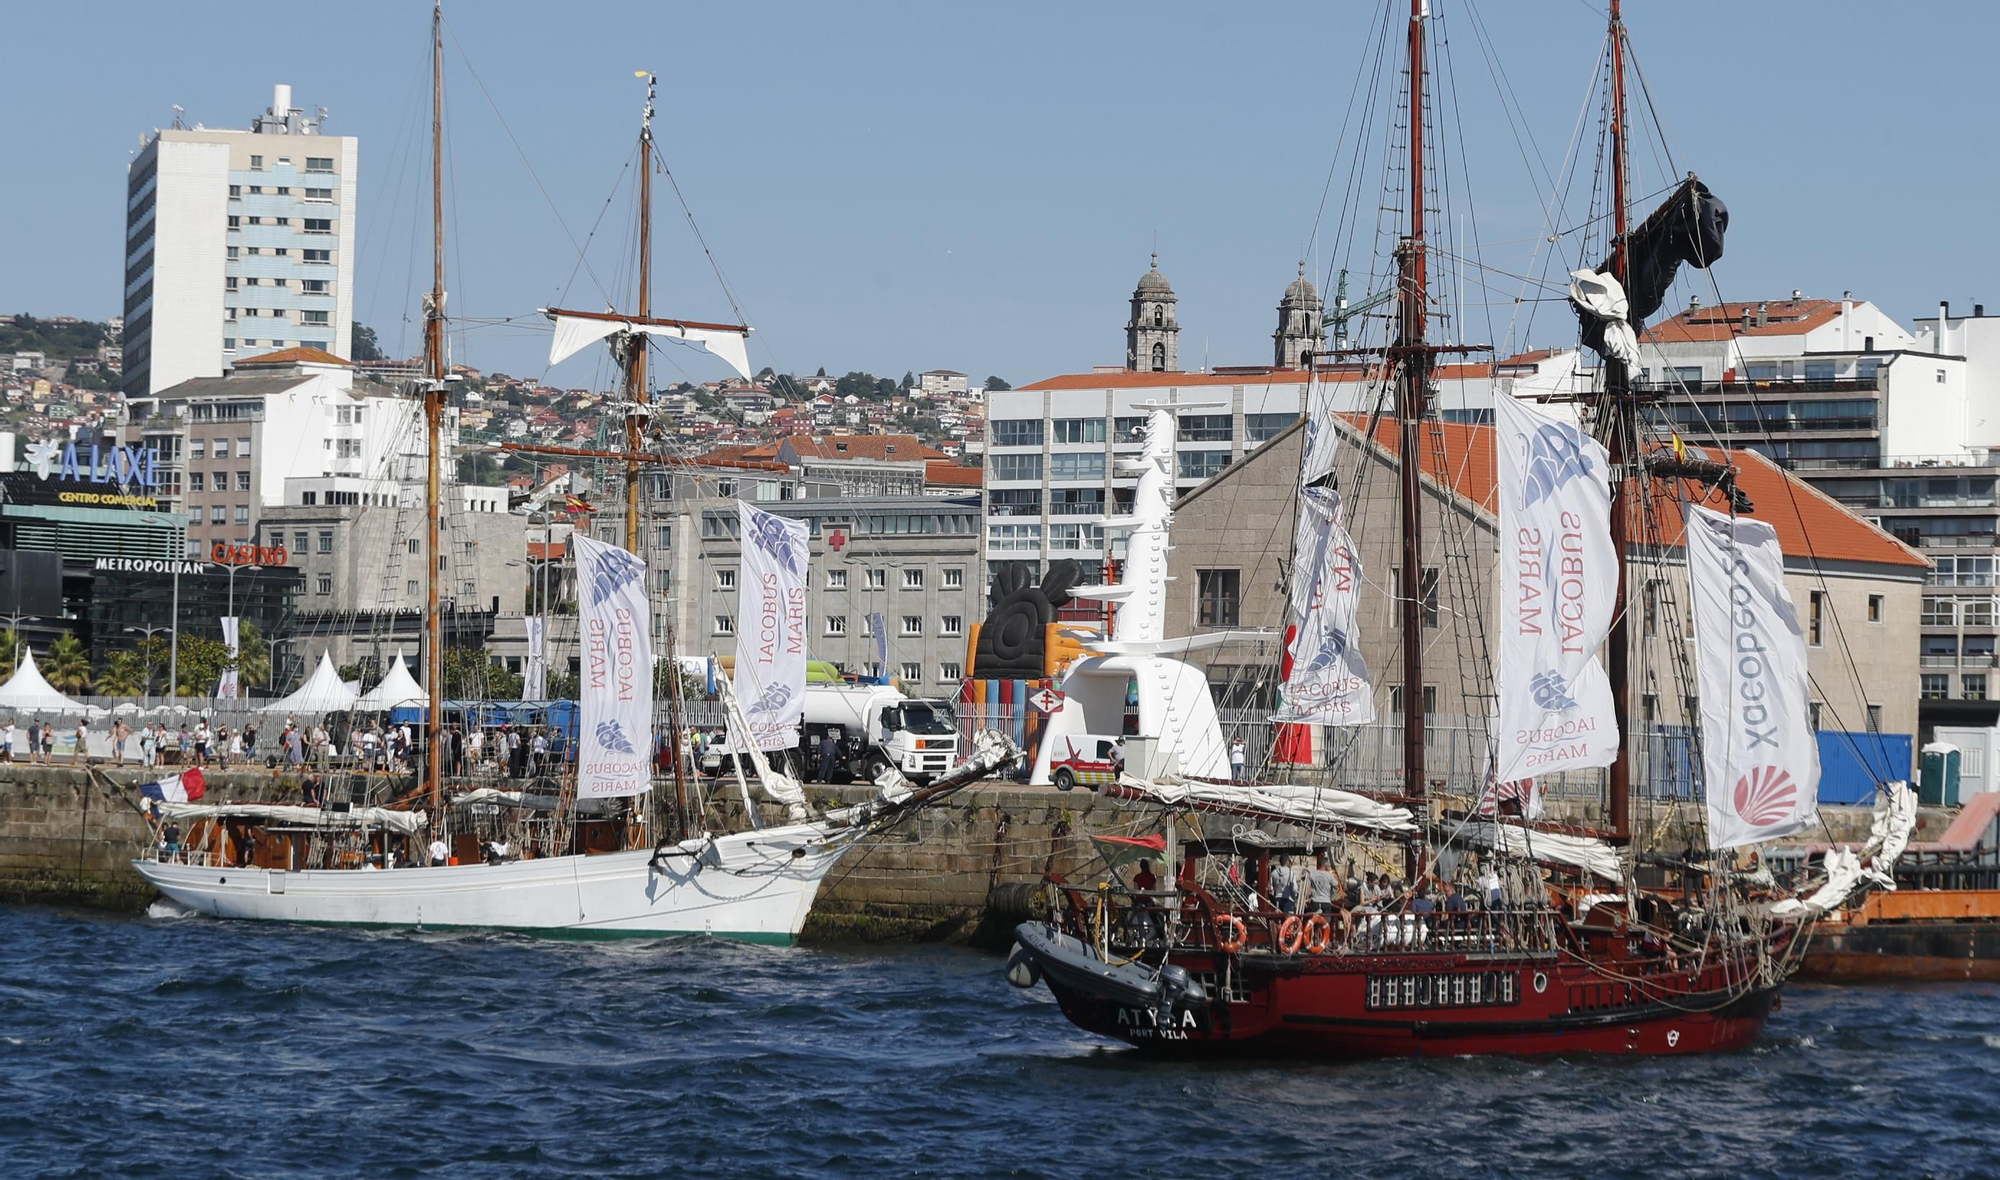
point(184, 787)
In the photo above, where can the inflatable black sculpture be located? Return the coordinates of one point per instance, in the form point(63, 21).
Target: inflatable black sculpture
point(1011, 643)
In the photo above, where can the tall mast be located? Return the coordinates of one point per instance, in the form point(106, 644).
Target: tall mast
point(635, 368)
point(434, 397)
point(1619, 391)
point(1413, 376)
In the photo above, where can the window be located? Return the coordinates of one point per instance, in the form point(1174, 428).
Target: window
point(1128, 429)
point(1874, 608)
point(1974, 685)
point(1071, 538)
point(951, 672)
point(229, 282)
point(1017, 432)
point(283, 220)
point(1014, 501)
point(242, 448)
point(195, 482)
point(222, 448)
point(197, 448)
point(1812, 714)
point(1202, 464)
point(1934, 686)
point(326, 540)
point(1977, 612)
point(1014, 538)
point(954, 578)
point(253, 220)
point(1078, 430)
point(235, 222)
point(243, 514)
point(913, 625)
point(1939, 612)
point(235, 190)
point(878, 579)
point(299, 543)
point(1264, 427)
point(411, 588)
point(317, 255)
point(194, 514)
point(1077, 465)
point(256, 163)
point(319, 163)
point(913, 672)
point(867, 626)
point(242, 481)
point(313, 286)
point(314, 317)
point(1076, 501)
point(725, 579)
point(1428, 580)
point(1220, 597)
point(951, 625)
point(347, 448)
point(1019, 467)
point(836, 579)
point(218, 513)
point(319, 194)
point(725, 624)
point(324, 584)
point(836, 625)
point(665, 537)
point(229, 344)
point(1159, 350)
point(913, 579)
point(1815, 609)
point(1207, 428)
point(319, 225)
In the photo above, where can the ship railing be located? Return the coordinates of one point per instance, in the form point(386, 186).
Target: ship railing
point(1127, 921)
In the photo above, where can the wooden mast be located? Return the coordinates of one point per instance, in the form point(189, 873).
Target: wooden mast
point(1618, 389)
point(434, 399)
point(1413, 376)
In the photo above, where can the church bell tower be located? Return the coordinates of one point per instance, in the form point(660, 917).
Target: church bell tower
point(1152, 335)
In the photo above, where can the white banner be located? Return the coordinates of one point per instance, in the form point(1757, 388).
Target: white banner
point(534, 686)
point(1558, 586)
point(770, 677)
point(1328, 684)
point(231, 685)
point(1322, 441)
point(1759, 757)
point(616, 742)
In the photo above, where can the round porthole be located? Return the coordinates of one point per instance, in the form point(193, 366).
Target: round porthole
point(1541, 983)
point(222, 880)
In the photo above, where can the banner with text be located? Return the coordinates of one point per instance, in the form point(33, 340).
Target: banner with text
point(1759, 757)
point(617, 689)
point(770, 678)
point(231, 685)
point(534, 686)
point(1559, 584)
point(1328, 680)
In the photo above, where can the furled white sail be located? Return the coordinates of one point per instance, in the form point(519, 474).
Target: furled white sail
point(403, 822)
point(1603, 296)
point(1322, 441)
point(1581, 852)
point(1558, 589)
point(574, 333)
point(1760, 760)
point(1283, 801)
point(1328, 680)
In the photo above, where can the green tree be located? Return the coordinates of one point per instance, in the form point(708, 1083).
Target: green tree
point(562, 686)
point(10, 646)
point(471, 675)
point(365, 346)
point(123, 674)
point(253, 656)
point(478, 469)
point(68, 665)
point(997, 383)
point(909, 379)
point(200, 665)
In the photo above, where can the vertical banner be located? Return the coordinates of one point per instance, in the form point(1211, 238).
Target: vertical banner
point(1328, 680)
point(535, 686)
point(1558, 586)
point(617, 689)
point(770, 678)
point(1759, 757)
point(231, 685)
point(877, 625)
point(1322, 441)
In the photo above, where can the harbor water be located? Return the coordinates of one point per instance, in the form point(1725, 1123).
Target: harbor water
point(189, 1047)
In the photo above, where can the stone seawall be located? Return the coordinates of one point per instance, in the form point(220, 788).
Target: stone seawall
point(67, 836)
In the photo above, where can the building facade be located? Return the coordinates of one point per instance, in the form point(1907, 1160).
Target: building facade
point(237, 243)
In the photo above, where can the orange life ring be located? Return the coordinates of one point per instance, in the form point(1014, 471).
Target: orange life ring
point(1231, 933)
point(1319, 934)
point(1291, 935)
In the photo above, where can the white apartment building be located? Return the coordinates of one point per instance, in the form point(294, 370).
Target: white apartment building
point(237, 243)
point(941, 382)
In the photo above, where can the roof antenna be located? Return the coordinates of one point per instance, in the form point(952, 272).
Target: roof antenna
point(180, 123)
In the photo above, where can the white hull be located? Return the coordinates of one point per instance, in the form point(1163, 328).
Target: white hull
point(757, 886)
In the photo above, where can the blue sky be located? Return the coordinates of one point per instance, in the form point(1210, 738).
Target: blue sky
point(978, 187)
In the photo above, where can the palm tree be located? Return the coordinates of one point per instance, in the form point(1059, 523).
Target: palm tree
point(10, 643)
point(123, 675)
point(253, 656)
point(69, 664)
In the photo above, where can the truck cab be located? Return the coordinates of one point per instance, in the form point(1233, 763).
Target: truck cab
point(873, 727)
point(1091, 759)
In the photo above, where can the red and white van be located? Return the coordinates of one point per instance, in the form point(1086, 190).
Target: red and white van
point(1091, 759)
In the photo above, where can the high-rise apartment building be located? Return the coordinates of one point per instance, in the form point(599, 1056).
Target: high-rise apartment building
point(237, 243)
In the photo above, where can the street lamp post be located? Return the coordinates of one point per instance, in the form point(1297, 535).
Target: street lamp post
point(149, 632)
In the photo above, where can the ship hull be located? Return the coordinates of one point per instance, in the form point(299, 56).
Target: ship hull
point(1942, 951)
point(1403, 1006)
point(754, 886)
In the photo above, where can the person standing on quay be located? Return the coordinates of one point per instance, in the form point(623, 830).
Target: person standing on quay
point(1236, 752)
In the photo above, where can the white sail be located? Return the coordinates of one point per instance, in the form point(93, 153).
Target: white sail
point(1558, 589)
point(616, 699)
point(1322, 441)
point(1328, 683)
point(574, 333)
point(1759, 757)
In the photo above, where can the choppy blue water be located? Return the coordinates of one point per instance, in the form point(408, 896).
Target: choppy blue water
point(197, 1048)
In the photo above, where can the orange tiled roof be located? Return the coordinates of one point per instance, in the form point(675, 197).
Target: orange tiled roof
point(1809, 523)
point(303, 355)
point(860, 446)
point(945, 473)
point(1724, 321)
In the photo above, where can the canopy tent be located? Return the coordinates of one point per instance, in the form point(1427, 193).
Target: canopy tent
point(322, 693)
point(27, 690)
point(398, 688)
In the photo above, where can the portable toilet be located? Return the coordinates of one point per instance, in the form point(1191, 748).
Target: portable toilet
point(1940, 775)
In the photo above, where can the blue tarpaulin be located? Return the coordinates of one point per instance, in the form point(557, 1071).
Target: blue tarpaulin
point(1852, 764)
point(557, 715)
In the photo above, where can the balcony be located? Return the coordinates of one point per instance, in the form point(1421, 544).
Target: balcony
point(1974, 660)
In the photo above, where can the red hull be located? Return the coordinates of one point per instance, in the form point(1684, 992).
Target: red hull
point(1335, 1007)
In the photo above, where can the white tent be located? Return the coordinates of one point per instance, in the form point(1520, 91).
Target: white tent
point(398, 689)
point(322, 693)
point(27, 690)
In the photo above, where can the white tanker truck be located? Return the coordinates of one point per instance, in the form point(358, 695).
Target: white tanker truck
point(874, 727)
